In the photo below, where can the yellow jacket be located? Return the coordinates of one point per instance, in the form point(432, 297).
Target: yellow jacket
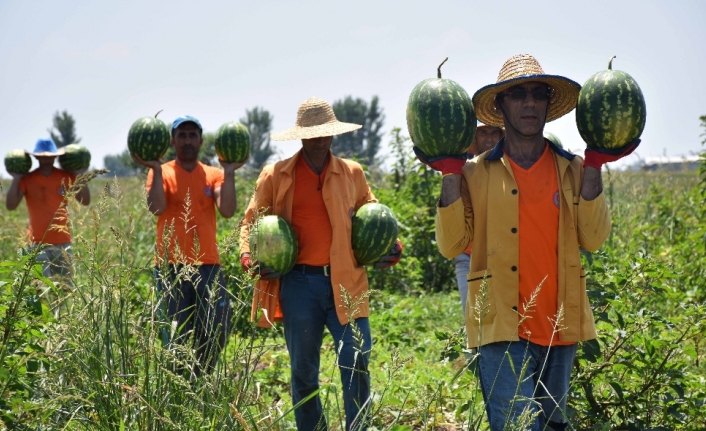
point(345, 190)
point(485, 215)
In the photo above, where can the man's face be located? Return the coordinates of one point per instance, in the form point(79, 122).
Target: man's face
point(45, 160)
point(487, 137)
point(317, 147)
point(525, 107)
point(187, 141)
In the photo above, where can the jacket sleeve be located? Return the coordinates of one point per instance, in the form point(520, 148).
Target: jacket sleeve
point(593, 222)
point(261, 201)
point(454, 224)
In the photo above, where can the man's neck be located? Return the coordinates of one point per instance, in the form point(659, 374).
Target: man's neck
point(523, 150)
point(316, 164)
point(188, 166)
point(46, 170)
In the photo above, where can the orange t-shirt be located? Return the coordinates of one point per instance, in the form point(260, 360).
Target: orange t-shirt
point(310, 219)
point(539, 242)
point(45, 204)
point(195, 227)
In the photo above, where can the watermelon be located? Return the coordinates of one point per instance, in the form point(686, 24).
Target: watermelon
point(18, 162)
point(273, 243)
point(552, 137)
point(611, 110)
point(440, 117)
point(75, 158)
point(148, 138)
point(233, 142)
point(374, 232)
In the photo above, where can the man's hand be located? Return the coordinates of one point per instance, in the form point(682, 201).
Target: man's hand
point(16, 177)
point(232, 167)
point(445, 164)
point(255, 268)
point(597, 157)
point(152, 164)
point(392, 258)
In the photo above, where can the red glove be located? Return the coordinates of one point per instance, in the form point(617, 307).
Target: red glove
point(445, 164)
point(597, 157)
point(390, 259)
point(255, 268)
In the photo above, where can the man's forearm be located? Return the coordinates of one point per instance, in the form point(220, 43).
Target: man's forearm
point(450, 190)
point(156, 200)
point(592, 185)
point(228, 201)
point(14, 196)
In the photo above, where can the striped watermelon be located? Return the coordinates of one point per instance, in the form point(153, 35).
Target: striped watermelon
point(18, 162)
point(374, 232)
point(440, 117)
point(148, 138)
point(233, 142)
point(75, 158)
point(273, 243)
point(554, 138)
point(611, 110)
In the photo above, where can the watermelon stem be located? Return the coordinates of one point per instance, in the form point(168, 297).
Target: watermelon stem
point(438, 69)
point(155, 115)
point(610, 63)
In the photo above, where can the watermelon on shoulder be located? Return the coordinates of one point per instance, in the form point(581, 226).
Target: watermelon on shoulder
point(75, 158)
point(440, 117)
point(373, 233)
point(233, 142)
point(148, 138)
point(18, 162)
point(611, 110)
point(273, 243)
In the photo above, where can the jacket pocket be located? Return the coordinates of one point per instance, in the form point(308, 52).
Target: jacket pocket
point(480, 307)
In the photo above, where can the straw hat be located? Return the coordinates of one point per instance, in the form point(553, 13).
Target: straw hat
point(315, 118)
point(523, 68)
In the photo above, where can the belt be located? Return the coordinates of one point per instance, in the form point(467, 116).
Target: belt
point(313, 270)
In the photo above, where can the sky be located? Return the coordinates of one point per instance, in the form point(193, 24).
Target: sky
point(109, 63)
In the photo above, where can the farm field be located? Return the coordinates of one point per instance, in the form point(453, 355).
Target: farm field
point(89, 357)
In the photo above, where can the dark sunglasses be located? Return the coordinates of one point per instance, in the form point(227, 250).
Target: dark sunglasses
point(519, 94)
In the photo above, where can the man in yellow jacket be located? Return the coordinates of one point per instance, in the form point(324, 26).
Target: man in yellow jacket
point(527, 206)
point(317, 193)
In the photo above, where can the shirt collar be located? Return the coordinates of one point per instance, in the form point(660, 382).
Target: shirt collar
point(497, 152)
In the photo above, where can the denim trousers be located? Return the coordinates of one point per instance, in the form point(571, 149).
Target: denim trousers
point(198, 302)
point(308, 307)
point(521, 375)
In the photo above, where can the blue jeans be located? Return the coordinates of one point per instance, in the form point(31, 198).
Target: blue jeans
point(507, 391)
point(308, 306)
point(198, 301)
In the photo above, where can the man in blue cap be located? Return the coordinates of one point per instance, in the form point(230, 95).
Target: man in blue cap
point(44, 189)
point(184, 194)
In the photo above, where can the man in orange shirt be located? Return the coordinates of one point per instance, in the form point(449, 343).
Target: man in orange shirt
point(527, 206)
point(317, 193)
point(44, 189)
point(184, 194)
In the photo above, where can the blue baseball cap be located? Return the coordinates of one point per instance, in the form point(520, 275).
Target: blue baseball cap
point(185, 119)
point(46, 147)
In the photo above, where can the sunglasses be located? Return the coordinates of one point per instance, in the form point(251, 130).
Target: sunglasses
point(519, 94)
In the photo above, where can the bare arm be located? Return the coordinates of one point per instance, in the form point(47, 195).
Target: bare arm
point(225, 195)
point(156, 199)
point(83, 196)
point(450, 190)
point(14, 194)
point(592, 184)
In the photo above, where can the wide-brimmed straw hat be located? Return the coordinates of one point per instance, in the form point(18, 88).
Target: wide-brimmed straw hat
point(523, 68)
point(45, 147)
point(315, 118)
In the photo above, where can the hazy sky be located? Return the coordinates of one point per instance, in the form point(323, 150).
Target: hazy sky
point(109, 63)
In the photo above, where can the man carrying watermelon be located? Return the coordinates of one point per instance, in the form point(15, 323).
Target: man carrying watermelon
point(527, 206)
point(185, 194)
point(44, 191)
point(317, 193)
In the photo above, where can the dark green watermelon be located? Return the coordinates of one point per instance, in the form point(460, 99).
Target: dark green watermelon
point(148, 138)
point(611, 110)
point(440, 117)
point(76, 157)
point(233, 142)
point(273, 243)
point(18, 162)
point(373, 233)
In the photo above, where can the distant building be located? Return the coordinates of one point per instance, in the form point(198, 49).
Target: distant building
point(677, 163)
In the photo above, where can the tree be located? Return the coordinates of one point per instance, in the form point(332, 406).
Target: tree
point(65, 126)
point(364, 143)
point(259, 124)
point(121, 165)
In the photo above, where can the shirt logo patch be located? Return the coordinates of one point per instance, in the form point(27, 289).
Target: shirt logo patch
point(556, 198)
point(60, 191)
point(208, 191)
